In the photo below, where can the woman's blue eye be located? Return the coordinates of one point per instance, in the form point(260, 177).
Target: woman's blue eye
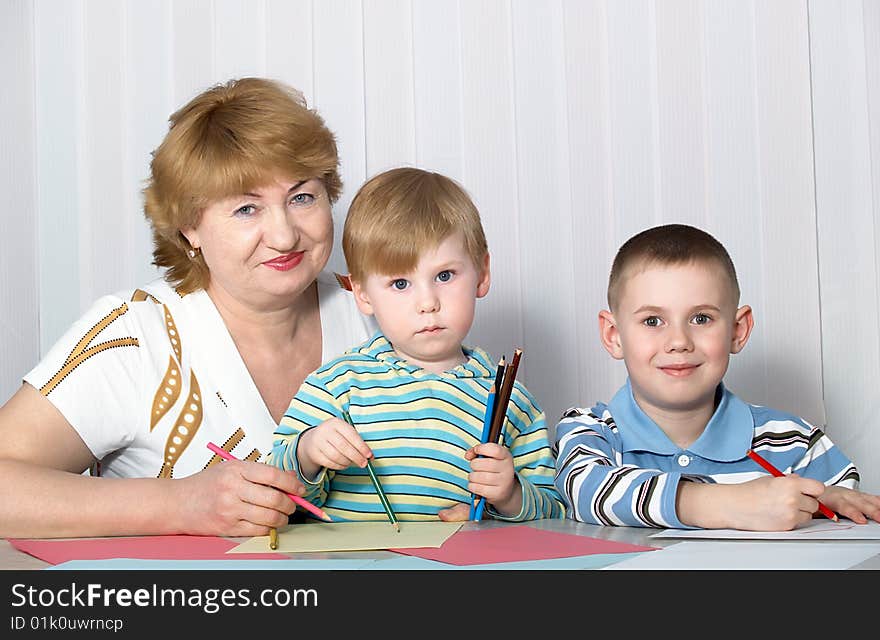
point(444, 276)
point(400, 284)
point(303, 199)
point(246, 210)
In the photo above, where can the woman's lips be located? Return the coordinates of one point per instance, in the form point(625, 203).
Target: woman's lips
point(285, 262)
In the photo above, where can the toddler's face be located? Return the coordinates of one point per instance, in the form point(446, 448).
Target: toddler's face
point(427, 313)
point(676, 327)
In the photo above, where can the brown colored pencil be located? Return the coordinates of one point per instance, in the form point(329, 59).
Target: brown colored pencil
point(273, 538)
point(499, 380)
point(504, 397)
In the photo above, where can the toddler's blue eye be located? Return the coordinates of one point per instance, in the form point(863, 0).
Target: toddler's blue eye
point(702, 318)
point(444, 276)
point(653, 321)
point(400, 284)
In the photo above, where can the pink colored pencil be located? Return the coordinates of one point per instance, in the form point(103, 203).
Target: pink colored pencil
point(305, 504)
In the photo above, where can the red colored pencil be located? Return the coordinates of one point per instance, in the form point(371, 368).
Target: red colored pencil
point(828, 513)
point(305, 504)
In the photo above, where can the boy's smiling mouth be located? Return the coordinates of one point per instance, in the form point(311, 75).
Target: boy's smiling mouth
point(679, 370)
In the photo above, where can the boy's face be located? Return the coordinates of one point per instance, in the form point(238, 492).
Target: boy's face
point(675, 328)
point(427, 313)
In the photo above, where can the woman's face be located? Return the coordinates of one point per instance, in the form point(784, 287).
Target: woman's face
point(266, 247)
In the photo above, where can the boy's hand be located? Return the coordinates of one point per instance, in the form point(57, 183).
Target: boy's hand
point(493, 477)
point(458, 513)
point(852, 504)
point(333, 444)
point(763, 504)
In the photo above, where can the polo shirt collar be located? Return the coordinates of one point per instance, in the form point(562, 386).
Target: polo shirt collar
point(726, 438)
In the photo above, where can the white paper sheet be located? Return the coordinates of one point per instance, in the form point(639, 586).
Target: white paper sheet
point(743, 554)
point(817, 529)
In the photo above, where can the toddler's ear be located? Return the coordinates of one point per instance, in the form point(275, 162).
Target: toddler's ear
point(485, 278)
point(609, 335)
point(361, 298)
point(743, 322)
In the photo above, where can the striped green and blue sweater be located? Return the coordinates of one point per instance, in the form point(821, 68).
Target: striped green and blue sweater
point(419, 425)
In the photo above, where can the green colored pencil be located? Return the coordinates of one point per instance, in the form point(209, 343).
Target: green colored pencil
point(378, 485)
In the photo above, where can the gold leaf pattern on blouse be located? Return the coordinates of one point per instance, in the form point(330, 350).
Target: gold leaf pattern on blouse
point(167, 393)
point(82, 352)
point(188, 422)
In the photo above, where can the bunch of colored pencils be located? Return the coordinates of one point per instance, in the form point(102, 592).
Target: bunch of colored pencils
point(496, 412)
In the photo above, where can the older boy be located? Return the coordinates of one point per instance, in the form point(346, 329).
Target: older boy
point(670, 450)
point(419, 260)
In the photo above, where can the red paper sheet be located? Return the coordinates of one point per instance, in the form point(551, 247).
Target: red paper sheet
point(513, 544)
point(140, 548)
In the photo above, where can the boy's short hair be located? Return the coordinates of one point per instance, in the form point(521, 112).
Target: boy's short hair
point(399, 214)
point(670, 244)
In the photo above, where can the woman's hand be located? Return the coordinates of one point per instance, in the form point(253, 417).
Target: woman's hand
point(235, 498)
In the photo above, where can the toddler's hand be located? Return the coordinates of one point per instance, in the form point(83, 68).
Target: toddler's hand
point(493, 477)
point(333, 444)
point(458, 513)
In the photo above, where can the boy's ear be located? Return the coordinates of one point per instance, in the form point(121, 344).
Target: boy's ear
point(743, 323)
point(485, 278)
point(361, 299)
point(609, 335)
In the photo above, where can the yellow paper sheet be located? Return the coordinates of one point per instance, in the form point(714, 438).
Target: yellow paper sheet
point(352, 536)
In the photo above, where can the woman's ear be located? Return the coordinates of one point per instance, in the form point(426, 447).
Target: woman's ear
point(192, 236)
point(485, 278)
point(361, 299)
point(743, 323)
point(610, 335)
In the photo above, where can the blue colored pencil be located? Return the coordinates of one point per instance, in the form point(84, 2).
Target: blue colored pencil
point(487, 426)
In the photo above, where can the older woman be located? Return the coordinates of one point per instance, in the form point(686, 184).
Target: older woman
point(239, 200)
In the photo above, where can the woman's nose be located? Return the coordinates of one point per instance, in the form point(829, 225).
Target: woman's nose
point(280, 232)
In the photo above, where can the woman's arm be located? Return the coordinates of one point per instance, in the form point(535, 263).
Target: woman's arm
point(44, 494)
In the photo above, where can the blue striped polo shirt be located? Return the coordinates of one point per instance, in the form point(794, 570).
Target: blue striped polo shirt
point(615, 466)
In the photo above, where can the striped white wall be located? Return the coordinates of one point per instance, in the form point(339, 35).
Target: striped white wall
point(573, 123)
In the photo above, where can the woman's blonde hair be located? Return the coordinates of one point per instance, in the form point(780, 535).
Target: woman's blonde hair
point(226, 141)
point(399, 214)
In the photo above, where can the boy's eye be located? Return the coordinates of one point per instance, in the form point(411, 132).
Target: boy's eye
point(400, 284)
point(444, 276)
point(652, 321)
point(702, 318)
point(303, 199)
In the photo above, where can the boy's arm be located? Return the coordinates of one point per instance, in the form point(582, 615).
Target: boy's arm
point(597, 489)
point(526, 436)
point(312, 405)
